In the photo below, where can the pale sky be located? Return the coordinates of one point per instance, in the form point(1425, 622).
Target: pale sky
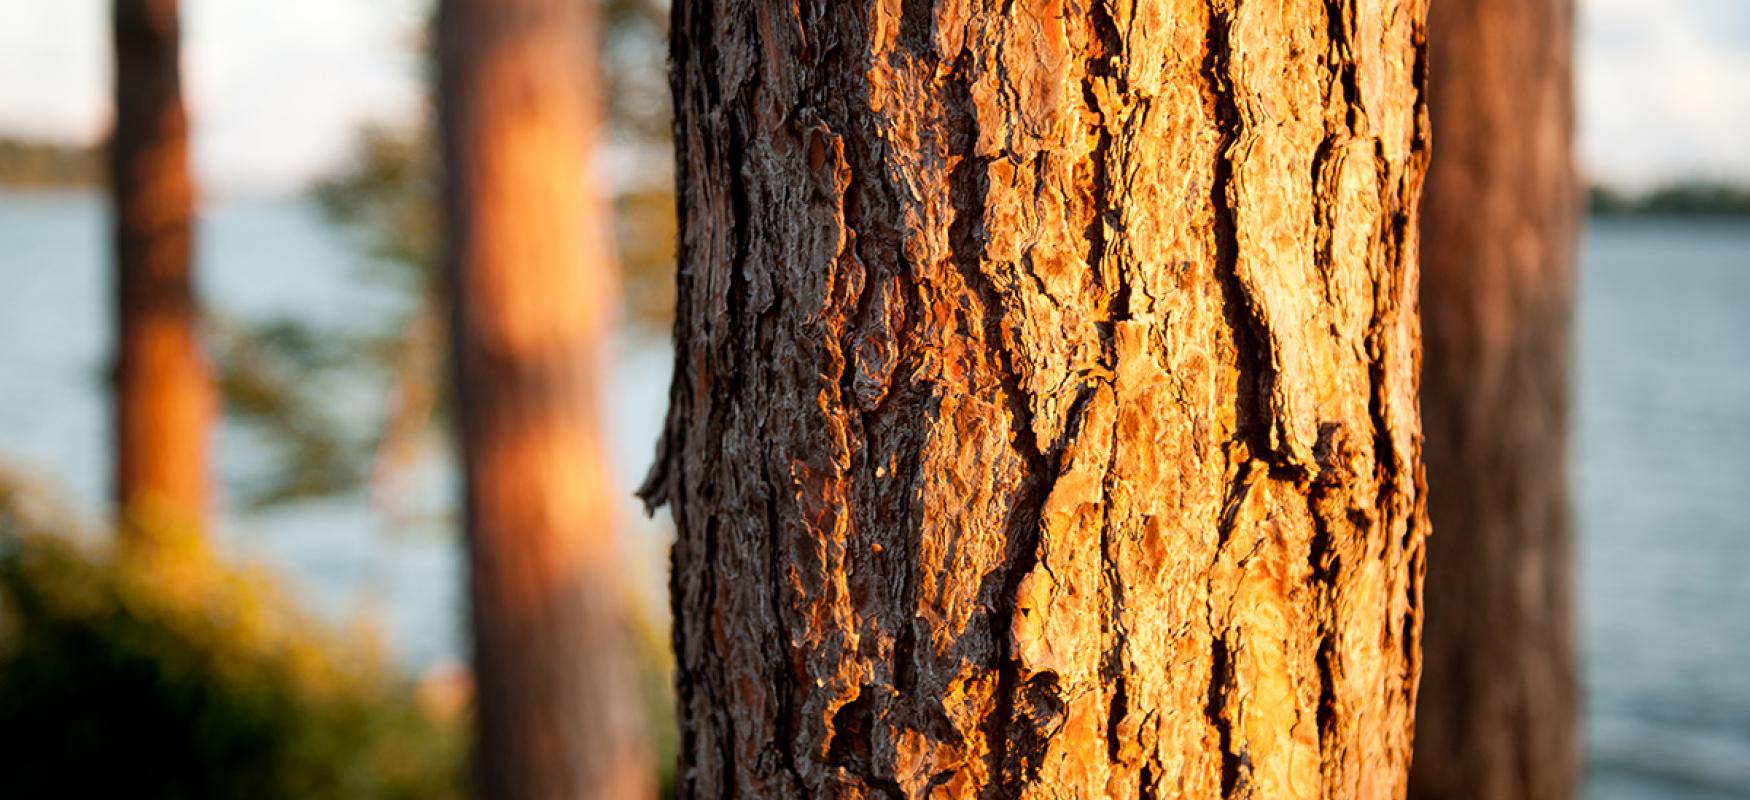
point(277, 88)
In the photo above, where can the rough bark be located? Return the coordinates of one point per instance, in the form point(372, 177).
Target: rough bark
point(163, 394)
point(1044, 416)
point(1497, 716)
point(532, 282)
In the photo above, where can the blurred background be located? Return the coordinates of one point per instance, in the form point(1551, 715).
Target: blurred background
point(316, 253)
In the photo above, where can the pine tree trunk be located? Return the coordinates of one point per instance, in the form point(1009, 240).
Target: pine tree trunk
point(1497, 715)
point(163, 394)
point(1044, 418)
point(532, 284)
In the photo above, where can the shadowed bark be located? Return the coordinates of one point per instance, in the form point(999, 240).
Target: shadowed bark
point(163, 395)
point(1497, 717)
point(1044, 416)
point(532, 282)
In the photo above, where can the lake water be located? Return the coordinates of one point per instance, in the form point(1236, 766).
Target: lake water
point(1663, 459)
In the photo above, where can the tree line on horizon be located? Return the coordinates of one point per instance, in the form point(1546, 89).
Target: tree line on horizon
point(1050, 402)
point(32, 164)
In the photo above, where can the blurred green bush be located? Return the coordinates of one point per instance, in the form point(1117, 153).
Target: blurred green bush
point(161, 673)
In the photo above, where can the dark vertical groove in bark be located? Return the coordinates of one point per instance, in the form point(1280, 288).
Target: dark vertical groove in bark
point(1324, 562)
point(967, 183)
point(1100, 60)
point(1105, 51)
point(1252, 354)
point(785, 683)
point(163, 399)
point(1220, 683)
point(1498, 714)
point(1339, 20)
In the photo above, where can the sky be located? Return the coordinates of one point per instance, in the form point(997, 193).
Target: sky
point(277, 90)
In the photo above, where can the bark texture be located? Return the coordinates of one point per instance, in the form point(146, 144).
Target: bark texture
point(163, 394)
point(1044, 419)
point(532, 284)
point(1497, 716)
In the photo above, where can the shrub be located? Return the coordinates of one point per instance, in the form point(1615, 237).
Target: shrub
point(162, 673)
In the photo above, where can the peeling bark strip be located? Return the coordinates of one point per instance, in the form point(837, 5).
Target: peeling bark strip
point(1044, 414)
point(1498, 714)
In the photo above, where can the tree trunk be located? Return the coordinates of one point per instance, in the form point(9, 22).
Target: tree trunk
point(1044, 417)
point(1497, 717)
point(163, 395)
point(531, 277)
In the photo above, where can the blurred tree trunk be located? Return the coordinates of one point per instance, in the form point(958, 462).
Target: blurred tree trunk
point(532, 281)
point(1044, 409)
point(163, 394)
point(1497, 715)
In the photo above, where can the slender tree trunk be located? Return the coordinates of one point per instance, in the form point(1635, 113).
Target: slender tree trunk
point(163, 394)
point(532, 284)
point(1044, 416)
point(1497, 717)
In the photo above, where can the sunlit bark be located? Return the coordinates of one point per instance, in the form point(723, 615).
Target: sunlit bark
point(163, 394)
point(532, 285)
point(1044, 416)
point(1497, 716)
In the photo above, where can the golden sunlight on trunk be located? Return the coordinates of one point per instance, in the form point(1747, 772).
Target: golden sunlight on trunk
point(1044, 419)
point(532, 284)
point(163, 394)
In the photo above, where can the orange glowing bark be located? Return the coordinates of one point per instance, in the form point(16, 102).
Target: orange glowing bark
point(532, 285)
point(1498, 712)
point(163, 394)
point(1044, 409)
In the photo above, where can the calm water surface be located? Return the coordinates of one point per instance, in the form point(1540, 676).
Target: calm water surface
point(1664, 502)
point(1663, 460)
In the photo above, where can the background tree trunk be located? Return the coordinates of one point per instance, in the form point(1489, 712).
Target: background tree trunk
point(533, 290)
point(163, 396)
point(1044, 419)
point(1497, 717)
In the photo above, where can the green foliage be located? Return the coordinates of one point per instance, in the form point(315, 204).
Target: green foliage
point(655, 662)
point(390, 192)
point(644, 220)
point(165, 674)
point(1605, 200)
point(635, 70)
point(275, 374)
point(640, 122)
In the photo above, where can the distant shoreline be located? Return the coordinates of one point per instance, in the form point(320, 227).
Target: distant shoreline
point(30, 165)
point(36, 165)
point(1688, 199)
